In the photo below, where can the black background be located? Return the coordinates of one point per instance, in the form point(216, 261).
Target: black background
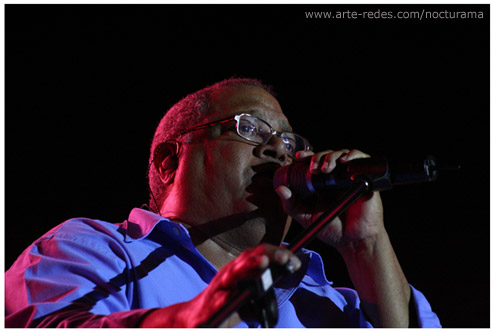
point(86, 85)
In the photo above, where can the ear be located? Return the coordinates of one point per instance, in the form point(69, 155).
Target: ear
point(166, 161)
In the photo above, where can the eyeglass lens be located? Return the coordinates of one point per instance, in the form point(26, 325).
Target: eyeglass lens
point(256, 130)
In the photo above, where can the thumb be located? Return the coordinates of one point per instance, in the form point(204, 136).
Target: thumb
point(286, 196)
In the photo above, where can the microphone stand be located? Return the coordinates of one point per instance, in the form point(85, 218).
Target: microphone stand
point(260, 293)
point(256, 299)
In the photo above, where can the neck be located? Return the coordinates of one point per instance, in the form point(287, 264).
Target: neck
point(222, 240)
point(222, 247)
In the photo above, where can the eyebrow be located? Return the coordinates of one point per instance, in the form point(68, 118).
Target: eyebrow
point(285, 127)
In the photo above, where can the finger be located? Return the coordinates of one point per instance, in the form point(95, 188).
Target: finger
point(303, 153)
point(329, 161)
point(353, 154)
point(280, 256)
point(253, 260)
point(315, 162)
point(283, 256)
point(249, 265)
point(286, 195)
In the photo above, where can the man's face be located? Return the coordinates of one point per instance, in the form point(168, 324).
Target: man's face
point(227, 174)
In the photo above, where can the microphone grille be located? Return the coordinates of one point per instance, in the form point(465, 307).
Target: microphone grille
point(280, 176)
point(295, 177)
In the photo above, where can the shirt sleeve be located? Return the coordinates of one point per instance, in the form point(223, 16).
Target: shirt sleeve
point(75, 277)
point(426, 318)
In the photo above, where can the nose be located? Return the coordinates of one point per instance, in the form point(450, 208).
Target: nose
point(275, 149)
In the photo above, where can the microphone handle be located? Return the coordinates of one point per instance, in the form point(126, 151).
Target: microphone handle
point(382, 173)
point(399, 172)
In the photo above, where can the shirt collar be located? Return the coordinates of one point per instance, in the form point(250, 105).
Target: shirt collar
point(316, 268)
point(311, 272)
point(141, 222)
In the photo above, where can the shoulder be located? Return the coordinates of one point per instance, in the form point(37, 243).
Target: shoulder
point(79, 234)
point(82, 227)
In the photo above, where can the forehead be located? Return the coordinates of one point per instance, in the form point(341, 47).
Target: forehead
point(254, 100)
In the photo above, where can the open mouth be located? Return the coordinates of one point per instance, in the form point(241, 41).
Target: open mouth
point(261, 188)
point(265, 170)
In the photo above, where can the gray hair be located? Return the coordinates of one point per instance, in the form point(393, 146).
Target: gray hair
point(188, 112)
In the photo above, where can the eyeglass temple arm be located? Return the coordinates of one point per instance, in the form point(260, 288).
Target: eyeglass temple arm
point(206, 125)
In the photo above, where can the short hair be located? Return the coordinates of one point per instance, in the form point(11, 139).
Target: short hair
point(188, 112)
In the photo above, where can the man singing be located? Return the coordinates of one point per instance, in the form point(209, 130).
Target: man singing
point(215, 222)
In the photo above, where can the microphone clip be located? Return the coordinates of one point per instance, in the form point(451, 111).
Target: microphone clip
point(377, 173)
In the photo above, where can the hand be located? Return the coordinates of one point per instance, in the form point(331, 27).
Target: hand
point(362, 220)
point(361, 239)
point(249, 265)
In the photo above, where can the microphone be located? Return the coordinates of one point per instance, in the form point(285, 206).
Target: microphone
point(379, 171)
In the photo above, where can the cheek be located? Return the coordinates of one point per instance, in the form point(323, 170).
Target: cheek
point(230, 167)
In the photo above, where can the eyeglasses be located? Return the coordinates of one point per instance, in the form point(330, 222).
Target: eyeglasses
point(258, 131)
